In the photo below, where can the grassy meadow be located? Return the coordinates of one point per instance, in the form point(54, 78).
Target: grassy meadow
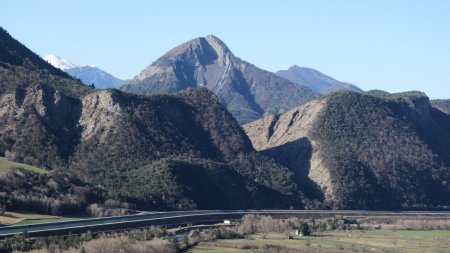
point(343, 241)
point(25, 218)
point(6, 166)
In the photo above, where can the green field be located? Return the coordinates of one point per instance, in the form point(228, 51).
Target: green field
point(6, 166)
point(34, 251)
point(25, 218)
point(9, 218)
point(201, 249)
point(352, 241)
point(39, 221)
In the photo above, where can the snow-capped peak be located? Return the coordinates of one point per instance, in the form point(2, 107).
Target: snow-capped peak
point(59, 62)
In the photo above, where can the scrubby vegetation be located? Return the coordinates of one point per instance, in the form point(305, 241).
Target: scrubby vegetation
point(258, 234)
point(109, 152)
point(53, 193)
point(385, 151)
point(152, 239)
point(182, 152)
point(205, 184)
point(6, 166)
point(160, 152)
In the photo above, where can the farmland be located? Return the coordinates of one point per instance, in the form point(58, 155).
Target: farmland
point(341, 241)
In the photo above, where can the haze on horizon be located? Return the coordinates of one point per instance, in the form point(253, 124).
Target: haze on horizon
point(393, 46)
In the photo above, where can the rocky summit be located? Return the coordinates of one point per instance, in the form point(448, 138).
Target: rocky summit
point(247, 91)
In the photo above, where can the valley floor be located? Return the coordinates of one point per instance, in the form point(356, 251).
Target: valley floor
point(344, 241)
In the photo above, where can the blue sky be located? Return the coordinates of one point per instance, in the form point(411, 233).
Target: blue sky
point(390, 45)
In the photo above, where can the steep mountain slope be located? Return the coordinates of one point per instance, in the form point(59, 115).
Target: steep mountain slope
point(37, 106)
point(15, 55)
point(33, 130)
point(441, 104)
point(160, 152)
point(315, 80)
point(21, 68)
point(183, 146)
point(247, 91)
point(375, 150)
point(87, 74)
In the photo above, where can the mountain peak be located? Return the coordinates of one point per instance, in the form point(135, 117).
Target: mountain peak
point(296, 67)
point(315, 80)
point(247, 91)
point(59, 62)
point(216, 43)
point(209, 46)
point(211, 36)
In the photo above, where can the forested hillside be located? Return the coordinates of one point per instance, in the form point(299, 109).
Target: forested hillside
point(160, 152)
point(167, 151)
point(108, 149)
point(372, 151)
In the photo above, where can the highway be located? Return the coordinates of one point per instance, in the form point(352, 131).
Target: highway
point(96, 225)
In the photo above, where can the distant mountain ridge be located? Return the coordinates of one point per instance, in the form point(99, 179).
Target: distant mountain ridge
point(59, 62)
point(247, 91)
point(88, 74)
point(93, 75)
point(315, 80)
point(441, 104)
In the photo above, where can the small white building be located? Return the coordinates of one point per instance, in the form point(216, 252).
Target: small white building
point(228, 222)
point(297, 232)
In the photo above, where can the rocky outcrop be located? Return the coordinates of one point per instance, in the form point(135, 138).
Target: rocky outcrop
point(38, 118)
point(98, 115)
point(247, 91)
point(288, 138)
